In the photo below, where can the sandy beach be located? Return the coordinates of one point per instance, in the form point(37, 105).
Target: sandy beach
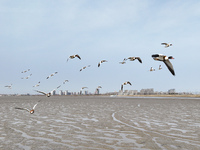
point(89, 122)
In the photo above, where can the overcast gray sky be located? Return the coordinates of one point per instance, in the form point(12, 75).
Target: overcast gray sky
point(40, 35)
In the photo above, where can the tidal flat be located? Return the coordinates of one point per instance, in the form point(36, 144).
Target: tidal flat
point(99, 122)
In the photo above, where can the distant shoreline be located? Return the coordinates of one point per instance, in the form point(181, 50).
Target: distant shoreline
point(115, 95)
point(197, 96)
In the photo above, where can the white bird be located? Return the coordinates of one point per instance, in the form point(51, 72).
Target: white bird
point(134, 58)
point(83, 88)
point(38, 84)
point(84, 67)
point(73, 56)
point(51, 75)
point(9, 86)
point(166, 44)
point(160, 67)
point(165, 59)
point(25, 71)
point(28, 76)
point(151, 69)
point(31, 111)
point(101, 62)
point(47, 94)
point(58, 87)
point(65, 81)
point(123, 62)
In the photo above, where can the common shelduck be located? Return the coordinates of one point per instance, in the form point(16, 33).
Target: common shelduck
point(165, 59)
point(30, 111)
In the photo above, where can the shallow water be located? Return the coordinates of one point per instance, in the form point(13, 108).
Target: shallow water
point(66, 122)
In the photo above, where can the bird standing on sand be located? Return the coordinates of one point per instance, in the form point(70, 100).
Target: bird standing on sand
point(134, 58)
point(73, 56)
point(30, 111)
point(101, 62)
point(165, 59)
point(166, 44)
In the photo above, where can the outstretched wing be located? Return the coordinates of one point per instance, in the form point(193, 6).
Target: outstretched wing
point(78, 56)
point(169, 66)
point(129, 83)
point(40, 92)
point(36, 104)
point(163, 43)
point(99, 64)
point(139, 59)
point(22, 108)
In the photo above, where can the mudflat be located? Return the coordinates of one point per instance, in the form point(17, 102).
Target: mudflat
point(89, 122)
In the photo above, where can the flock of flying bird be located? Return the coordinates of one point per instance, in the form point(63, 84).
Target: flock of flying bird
point(157, 57)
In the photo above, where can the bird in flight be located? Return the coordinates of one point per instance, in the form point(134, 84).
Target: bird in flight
point(25, 71)
point(101, 62)
point(84, 88)
point(73, 56)
point(166, 44)
point(125, 83)
point(65, 81)
point(134, 58)
point(58, 87)
point(27, 77)
point(160, 67)
point(51, 75)
point(122, 62)
point(151, 69)
point(84, 67)
point(99, 87)
point(165, 59)
point(9, 86)
point(38, 84)
point(31, 111)
point(47, 94)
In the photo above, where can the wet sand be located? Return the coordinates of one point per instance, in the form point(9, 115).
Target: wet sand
point(89, 123)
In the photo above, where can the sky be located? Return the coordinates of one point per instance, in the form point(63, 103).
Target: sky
point(40, 35)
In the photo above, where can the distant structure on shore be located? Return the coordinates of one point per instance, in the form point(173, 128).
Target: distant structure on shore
point(148, 91)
